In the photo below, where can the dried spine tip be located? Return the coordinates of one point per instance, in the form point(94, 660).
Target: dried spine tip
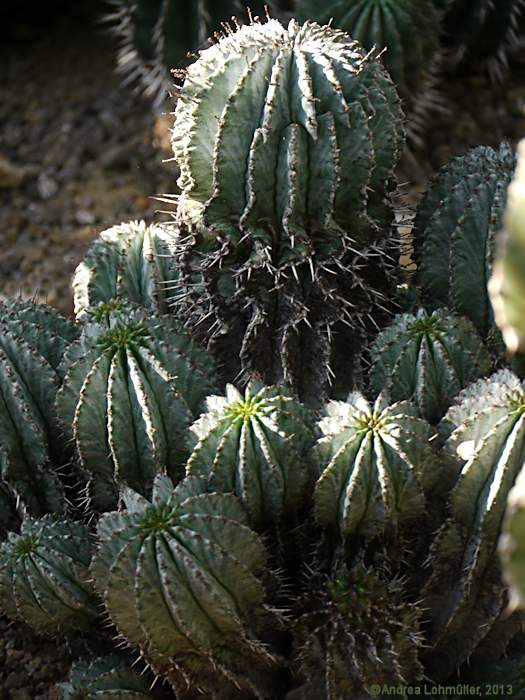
point(133, 383)
point(286, 138)
point(428, 359)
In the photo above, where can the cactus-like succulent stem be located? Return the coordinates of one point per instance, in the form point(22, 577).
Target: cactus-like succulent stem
point(131, 262)
point(486, 431)
point(133, 382)
point(286, 138)
point(376, 465)
point(178, 577)
point(428, 359)
point(44, 576)
point(33, 339)
point(455, 230)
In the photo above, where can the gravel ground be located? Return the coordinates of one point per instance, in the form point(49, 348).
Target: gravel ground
point(79, 153)
point(30, 666)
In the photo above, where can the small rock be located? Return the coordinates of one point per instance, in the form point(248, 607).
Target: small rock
point(47, 187)
point(41, 675)
point(12, 680)
point(143, 202)
point(117, 156)
point(12, 175)
point(33, 664)
point(108, 118)
point(85, 217)
point(15, 654)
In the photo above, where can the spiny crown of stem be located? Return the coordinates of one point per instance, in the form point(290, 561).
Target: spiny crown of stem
point(248, 408)
point(123, 337)
point(158, 519)
point(517, 400)
point(347, 593)
point(372, 422)
point(355, 493)
point(428, 326)
point(103, 312)
point(25, 546)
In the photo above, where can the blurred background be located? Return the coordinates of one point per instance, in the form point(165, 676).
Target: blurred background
point(80, 151)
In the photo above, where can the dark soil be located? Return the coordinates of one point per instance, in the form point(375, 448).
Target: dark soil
point(80, 153)
point(29, 665)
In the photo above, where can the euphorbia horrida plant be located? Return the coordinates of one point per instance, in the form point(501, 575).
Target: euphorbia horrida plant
point(256, 447)
point(33, 338)
point(427, 358)
point(286, 140)
point(507, 288)
point(133, 383)
point(376, 466)
point(354, 631)
point(44, 578)
point(455, 229)
point(374, 557)
point(178, 576)
point(130, 262)
point(465, 594)
point(507, 285)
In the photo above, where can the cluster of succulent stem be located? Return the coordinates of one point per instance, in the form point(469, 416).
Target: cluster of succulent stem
point(179, 473)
